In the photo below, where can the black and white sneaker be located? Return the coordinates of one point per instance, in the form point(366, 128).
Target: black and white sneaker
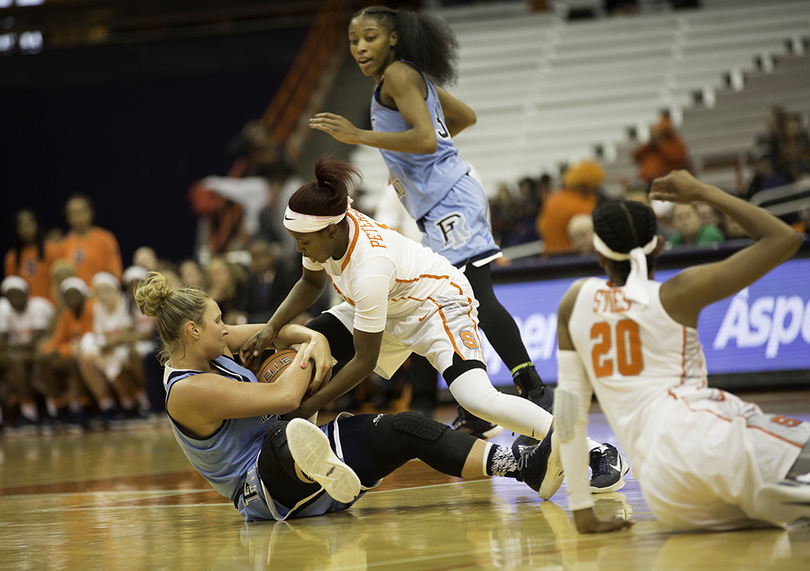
point(468, 423)
point(311, 451)
point(607, 469)
point(540, 467)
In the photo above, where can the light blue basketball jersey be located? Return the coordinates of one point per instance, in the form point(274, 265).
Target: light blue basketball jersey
point(421, 180)
point(228, 458)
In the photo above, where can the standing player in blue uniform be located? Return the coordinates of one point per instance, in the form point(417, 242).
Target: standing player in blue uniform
point(413, 121)
point(226, 421)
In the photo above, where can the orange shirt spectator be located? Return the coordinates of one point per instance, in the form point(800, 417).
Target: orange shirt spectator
point(33, 269)
point(579, 196)
point(30, 257)
point(89, 248)
point(664, 153)
point(560, 207)
point(70, 328)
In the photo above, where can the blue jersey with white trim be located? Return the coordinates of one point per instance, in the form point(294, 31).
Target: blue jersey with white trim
point(226, 457)
point(421, 180)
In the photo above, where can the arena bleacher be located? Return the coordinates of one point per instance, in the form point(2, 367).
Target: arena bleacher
point(549, 91)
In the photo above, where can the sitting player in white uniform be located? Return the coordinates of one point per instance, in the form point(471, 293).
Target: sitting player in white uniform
point(704, 458)
point(399, 298)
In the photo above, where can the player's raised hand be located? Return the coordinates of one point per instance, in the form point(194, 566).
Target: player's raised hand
point(678, 186)
point(250, 352)
point(339, 127)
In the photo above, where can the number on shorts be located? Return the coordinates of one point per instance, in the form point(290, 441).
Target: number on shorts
point(629, 360)
point(786, 421)
point(469, 340)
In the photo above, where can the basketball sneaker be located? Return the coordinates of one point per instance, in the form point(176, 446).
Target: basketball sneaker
point(468, 423)
point(784, 503)
point(540, 466)
point(607, 469)
point(311, 451)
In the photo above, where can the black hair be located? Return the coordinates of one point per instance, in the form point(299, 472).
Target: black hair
point(17, 244)
point(328, 194)
point(625, 225)
point(422, 39)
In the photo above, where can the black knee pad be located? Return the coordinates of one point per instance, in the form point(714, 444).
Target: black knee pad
point(418, 425)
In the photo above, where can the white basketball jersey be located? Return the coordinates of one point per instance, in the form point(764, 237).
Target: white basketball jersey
point(699, 453)
point(634, 355)
point(409, 273)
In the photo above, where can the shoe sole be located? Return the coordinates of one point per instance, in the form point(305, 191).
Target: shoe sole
point(623, 469)
point(311, 451)
point(554, 474)
point(783, 503)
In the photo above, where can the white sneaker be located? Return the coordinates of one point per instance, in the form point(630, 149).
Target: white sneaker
point(783, 502)
point(311, 451)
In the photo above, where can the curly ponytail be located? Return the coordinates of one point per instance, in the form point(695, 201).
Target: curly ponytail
point(171, 308)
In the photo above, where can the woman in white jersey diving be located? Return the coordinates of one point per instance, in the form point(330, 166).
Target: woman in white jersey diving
point(409, 55)
point(703, 457)
point(226, 421)
point(399, 298)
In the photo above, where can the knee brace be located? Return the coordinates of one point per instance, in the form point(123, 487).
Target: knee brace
point(418, 425)
point(395, 439)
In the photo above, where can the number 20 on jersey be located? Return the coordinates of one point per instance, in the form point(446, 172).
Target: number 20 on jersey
point(627, 358)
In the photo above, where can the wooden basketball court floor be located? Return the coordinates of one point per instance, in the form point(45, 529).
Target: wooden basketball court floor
point(129, 500)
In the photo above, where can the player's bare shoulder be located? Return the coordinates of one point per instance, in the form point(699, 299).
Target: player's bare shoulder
point(567, 302)
point(401, 77)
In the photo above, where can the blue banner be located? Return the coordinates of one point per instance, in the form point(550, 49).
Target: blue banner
point(765, 327)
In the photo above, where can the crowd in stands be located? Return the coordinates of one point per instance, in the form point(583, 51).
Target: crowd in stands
point(560, 214)
point(75, 354)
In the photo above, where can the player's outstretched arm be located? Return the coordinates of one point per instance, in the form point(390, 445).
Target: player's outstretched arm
point(303, 294)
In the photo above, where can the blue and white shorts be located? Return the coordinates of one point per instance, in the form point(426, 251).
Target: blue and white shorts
point(458, 226)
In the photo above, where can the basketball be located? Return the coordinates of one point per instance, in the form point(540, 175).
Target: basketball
point(275, 364)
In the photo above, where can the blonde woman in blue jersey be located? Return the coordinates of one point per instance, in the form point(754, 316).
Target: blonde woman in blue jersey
point(409, 55)
point(226, 421)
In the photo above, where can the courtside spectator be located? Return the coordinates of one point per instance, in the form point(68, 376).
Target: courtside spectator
point(91, 249)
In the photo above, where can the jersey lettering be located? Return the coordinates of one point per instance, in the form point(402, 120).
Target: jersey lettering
point(627, 340)
point(442, 130)
point(399, 188)
point(610, 300)
point(454, 234)
point(370, 231)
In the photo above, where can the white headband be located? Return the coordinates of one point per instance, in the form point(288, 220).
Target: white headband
point(14, 282)
point(306, 223)
point(134, 273)
point(74, 283)
point(105, 278)
point(635, 288)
